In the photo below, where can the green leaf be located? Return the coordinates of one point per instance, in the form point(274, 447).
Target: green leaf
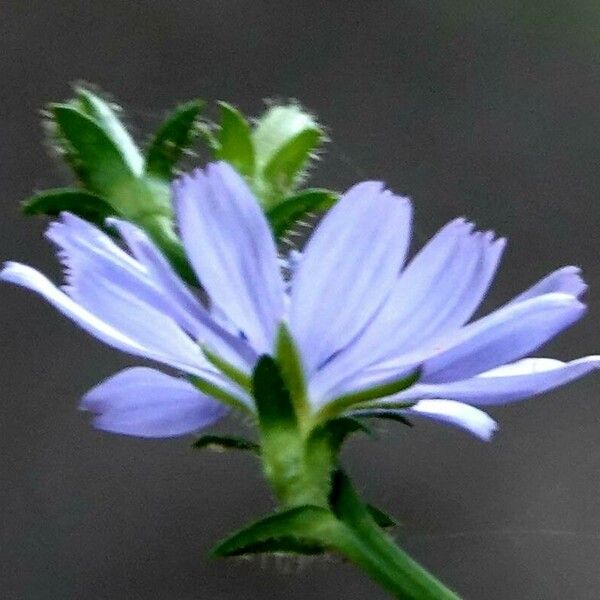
point(382, 519)
point(285, 168)
point(95, 158)
point(234, 141)
point(174, 136)
point(220, 443)
point(300, 530)
point(99, 110)
point(344, 501)
point(284, 215)
point(86, 205)
point(273, 401)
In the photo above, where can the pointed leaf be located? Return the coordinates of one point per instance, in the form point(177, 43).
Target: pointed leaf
point(234, 141)
point(84, 204)
point(382, 519)
point(93, 155)
point(284, 215)
point(344, 501)
point(286, 167)
point(102, 112)
point(220, 443)
point(175, 135)
point(347, 506)
point(301, 530)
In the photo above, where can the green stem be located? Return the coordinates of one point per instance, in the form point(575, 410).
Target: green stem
point(392, 568)
point(364, 543)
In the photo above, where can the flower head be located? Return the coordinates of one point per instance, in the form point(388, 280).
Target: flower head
point(363, 322)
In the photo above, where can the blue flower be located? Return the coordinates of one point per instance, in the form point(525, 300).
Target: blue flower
point(360, 317)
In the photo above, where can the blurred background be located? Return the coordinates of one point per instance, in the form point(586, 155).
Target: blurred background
point(485, 109)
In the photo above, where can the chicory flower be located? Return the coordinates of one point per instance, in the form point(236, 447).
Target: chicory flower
point(361, 319)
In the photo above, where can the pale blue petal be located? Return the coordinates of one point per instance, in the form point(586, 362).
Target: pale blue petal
point(472, 290)
point(117, 318)
point(232, 250)
point(469, 418)
point(348, 268)
point(499, 338)
point(88, 253)
point(184, 306)
point(566, 280)
point(508, 383)
point(152, 328)
point(503, 336)
point(27, 277)
point(438, 292)
point(85, 252)
point(444, 303)
point(147, 403)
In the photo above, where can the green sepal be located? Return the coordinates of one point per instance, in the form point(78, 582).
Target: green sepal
point(273, 401)
point(381, 413)
point(229, 370)
point(300, 530)
point(221, 443)
point(285, 168)
point(298, 471)
point(381, 518)
point(104, 115)
point(84, 204)
point(233, 141)
point(284, 215)
point(172, 139)
point(218, 393)
point(360, 398)
point(292, 371)
point(334, 433)
point(93, 155)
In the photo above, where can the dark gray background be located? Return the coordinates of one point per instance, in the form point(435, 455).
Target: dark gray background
point(487, 109)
